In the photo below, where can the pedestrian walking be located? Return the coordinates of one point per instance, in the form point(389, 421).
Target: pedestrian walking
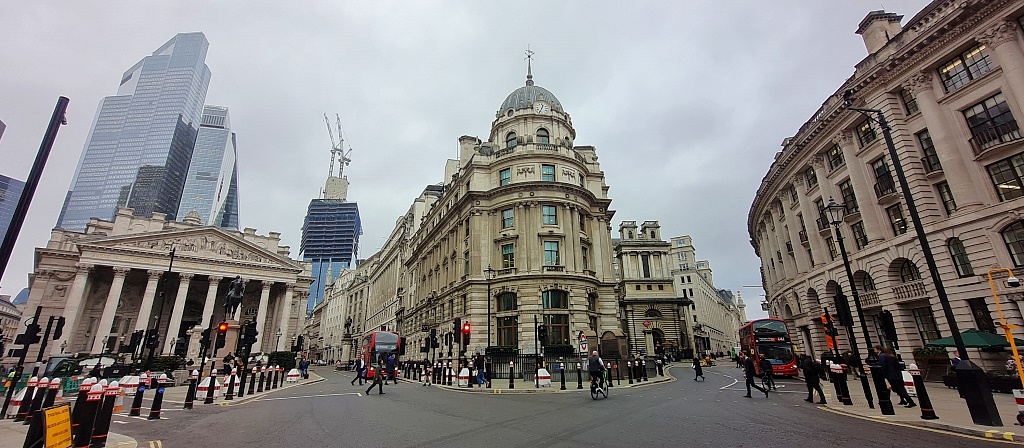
point(891, 371)
point(390, 369)
point(749, 372)
point(304, 368)
point(360, 368)
point(378, 378)
point(698, 371)
point(480, 363)
point(812, 378)
point(426, 366)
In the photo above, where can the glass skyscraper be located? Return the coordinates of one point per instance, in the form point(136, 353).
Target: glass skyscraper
point(211, 186)
point(10, 193)
point(140, 146)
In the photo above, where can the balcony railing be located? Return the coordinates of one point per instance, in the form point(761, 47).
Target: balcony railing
point(931, 163)
point(506, 271)
point(884, 187)
point(789, 247)
point(554, 268)
point(869, 298)
point(983, 139)
point(822, 224)
point(909, 291)
point(803, 236)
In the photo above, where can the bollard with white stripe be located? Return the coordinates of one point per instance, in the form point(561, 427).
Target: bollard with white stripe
point(927, 412)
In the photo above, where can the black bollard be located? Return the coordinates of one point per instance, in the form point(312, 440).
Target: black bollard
point(230, 394)
point(661, 367)
point(273, 384)
point(37, 399)
point(26, 402)
point(844, 386)
point(213, 385)
point(511, 375)
point(51, 393)
point(76, 412)
point(579, 376)
point(158, 399)
point(136, 409)
point(252, 381)
point(263, 378)
point(103, 415)
point(283, 375)
point(270, 376)
point(614, 374)
point(437, 373)
point(927, 412)
point(83, 436)
point(884, 397)
point(190, 396)
point(629, 370)
point(643, 367)
point(833, 376)
point(561, 366)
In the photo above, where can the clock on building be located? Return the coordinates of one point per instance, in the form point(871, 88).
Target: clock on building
point(541, 107)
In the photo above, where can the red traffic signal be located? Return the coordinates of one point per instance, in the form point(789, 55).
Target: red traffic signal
point(222, 327)
point(466, 328)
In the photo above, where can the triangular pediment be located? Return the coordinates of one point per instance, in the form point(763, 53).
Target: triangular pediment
point(204, 242)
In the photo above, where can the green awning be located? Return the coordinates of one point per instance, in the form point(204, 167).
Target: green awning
point(977, 339)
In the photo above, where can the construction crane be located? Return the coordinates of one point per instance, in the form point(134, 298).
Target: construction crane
point(338, 147)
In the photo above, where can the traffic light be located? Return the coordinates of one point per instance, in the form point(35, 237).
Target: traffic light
point(467, 329)
point(249, 334)
point(434, 343)
point(152, 339)
point(58, 330)
point(456, 327)
point(888, 325)
point(30, 336)
point(133, 344)
point(542, 334)
point(204, 341)
point(843, 310)
point(222, 332)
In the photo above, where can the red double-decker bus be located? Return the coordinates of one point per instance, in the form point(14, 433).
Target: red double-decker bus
point(378, 345)
point(769, 337)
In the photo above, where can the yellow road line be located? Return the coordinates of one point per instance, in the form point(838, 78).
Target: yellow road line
point(922, 428)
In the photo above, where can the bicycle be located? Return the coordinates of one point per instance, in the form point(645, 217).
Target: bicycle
point(595, 390)
point(767, 381)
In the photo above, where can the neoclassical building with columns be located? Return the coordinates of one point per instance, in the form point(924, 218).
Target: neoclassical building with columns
point(117, 277)
point(950, 81)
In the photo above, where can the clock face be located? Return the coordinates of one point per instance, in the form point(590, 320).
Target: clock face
point(540, 107)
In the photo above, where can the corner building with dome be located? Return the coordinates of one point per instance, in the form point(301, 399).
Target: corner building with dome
point(524, 212)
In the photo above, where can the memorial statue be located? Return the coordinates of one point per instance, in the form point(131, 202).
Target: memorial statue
point(234, 298)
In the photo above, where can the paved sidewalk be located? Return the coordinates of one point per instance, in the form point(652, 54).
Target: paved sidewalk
point(949, 407)
point(530, 387)
point(12, 435)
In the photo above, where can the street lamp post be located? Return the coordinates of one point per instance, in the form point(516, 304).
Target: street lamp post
point(490, 276)
point(278, 342)
point(972, 383)
point(836, 212)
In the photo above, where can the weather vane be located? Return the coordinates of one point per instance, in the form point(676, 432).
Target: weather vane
point(529, 65)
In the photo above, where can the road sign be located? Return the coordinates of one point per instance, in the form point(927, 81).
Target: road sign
point(583, 346)
point(58, 426)
point(647, 324)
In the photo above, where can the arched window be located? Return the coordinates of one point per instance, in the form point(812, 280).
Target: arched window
point(555, 299)
point(1013, 236)
point(543, 136)
point(959, 255)
point(868, 284)
point(511, 139)
point(909, 272)
point(652, 312)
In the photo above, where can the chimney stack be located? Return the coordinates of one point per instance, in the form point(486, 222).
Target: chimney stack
point(877, 28)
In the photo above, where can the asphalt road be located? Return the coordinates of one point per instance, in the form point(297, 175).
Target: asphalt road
point(332, 413)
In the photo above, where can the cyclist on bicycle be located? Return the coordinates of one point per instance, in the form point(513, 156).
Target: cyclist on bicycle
point(595, 366)
point(766, 373)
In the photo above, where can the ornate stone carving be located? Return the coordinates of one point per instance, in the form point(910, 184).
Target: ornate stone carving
point(818, 161)
point(121, 271)
point(525, 171)
point(919, 82)
point(63, 276)
point(186, 277)
point(569, 174)
point(798, 181)
point(205, 245)
point(85, 267)
point(57, 291)
point(844, 139)
point(154, 275)
point(999, 34)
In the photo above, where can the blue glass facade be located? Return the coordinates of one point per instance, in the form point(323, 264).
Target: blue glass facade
point(211, 185)
point(330, 239)
point(10, 192)
point(140, 146)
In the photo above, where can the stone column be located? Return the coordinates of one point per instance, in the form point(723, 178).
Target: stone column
point(109, 309)
point(73, 308)
point(174, 325)
point(286, 314)
point(863, 184)
point(211, 299)
point(146, 310)
point(809, 214)
point(261, 314)
point(1002, 39)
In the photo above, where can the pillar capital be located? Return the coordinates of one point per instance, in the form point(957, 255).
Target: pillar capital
point(186, 277)
point(215, 278)
point(266, 283)
point(998, 34)
point(121, 271)
point(154, 275)
point(84, 267)
point(918, 83)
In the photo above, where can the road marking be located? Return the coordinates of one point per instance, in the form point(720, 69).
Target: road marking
point(922, 428)
point(156, 444)
point(312, 396)
point(734, 380)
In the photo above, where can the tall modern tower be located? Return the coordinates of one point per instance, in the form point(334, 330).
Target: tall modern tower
point(330, 232)
point(211, 186)
point(138, 151)
point(10, 193)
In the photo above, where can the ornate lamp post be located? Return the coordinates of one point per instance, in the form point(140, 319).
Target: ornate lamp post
point(490, 276)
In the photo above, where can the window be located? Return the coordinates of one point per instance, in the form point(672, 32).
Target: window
point(1013, 236)
point(542, 136)
point(868, 284)
point(866, 133)
point(835, 157)
point(508, 332)
point(812, 178)
point(505, 177)
point(964, 68)
point(849, 198)
point(549, 214)
point(555, 299)
point(884, 184)
point(593, 323)
point(1006, 176)
point(831, 244)
point(551, 253)
point(507, 218)
point(466, 263)
point(467, 228)
point(896, 219)
point(508, 256)
point(793, 199)
point(925, 321)
point(859, 235)
point(982, 317)
point(511, 140)
point(959, 256)
point(585, 254)
point(930, 159)
point(991, 123)
point(946, 195)
point(909, 272)
point(909, 102)
point(507, 301)
point(547, 173)
point(645, 262)
point(583, 223)
point(558, 329)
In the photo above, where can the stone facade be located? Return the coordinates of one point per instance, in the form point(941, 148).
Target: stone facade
point(10, 316)
point(108, 282)
point(951, 84)
point(715, 317)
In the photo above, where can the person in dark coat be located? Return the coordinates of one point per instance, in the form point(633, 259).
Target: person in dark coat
point(812, 377)
point(378, 378)
point(749, 372)
point(360, 368)
point(390, 369)
point(891, 371)
point(698, 371)
point(766, 372)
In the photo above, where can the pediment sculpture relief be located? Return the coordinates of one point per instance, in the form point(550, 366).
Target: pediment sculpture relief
point(204, 245)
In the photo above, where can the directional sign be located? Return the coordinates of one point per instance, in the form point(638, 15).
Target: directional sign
point(583, 346)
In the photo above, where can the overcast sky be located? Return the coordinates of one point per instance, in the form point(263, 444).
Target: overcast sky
point(686, 102)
